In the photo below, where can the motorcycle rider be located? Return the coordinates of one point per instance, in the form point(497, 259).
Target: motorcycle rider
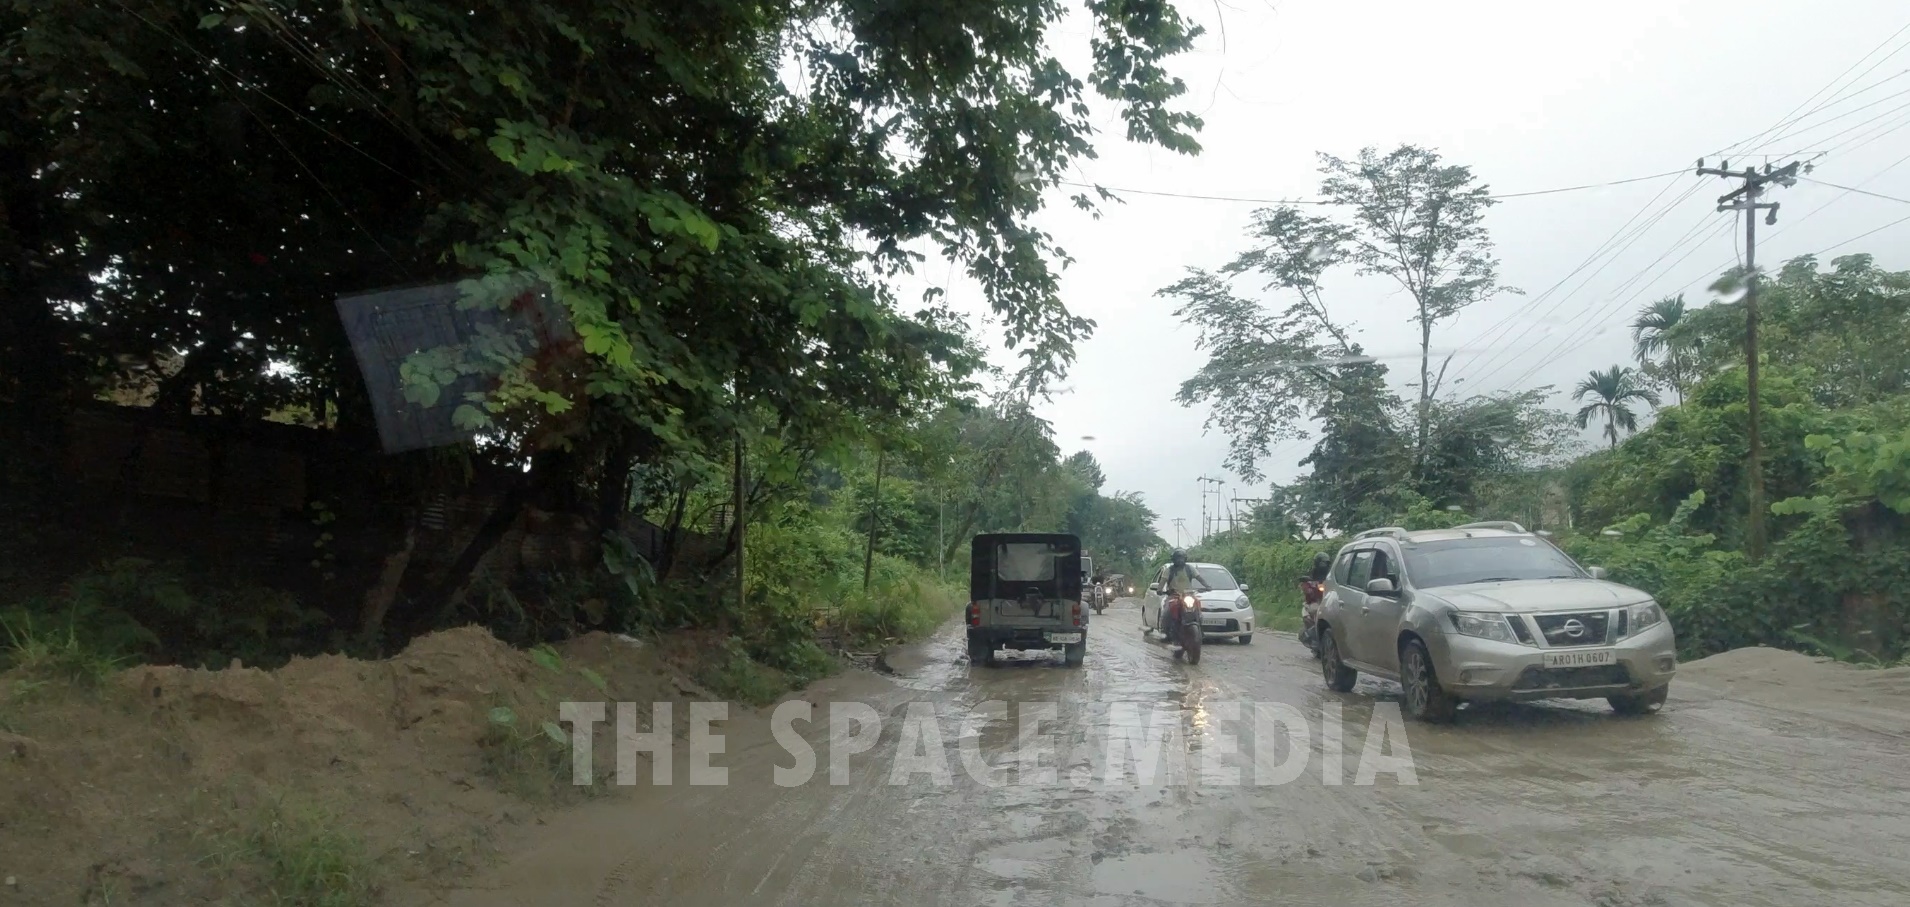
point(1313, 590)
point(1181, 578)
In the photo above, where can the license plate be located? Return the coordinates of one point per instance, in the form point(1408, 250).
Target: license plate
point(1213, 621)
point(1580, 659)
point(1064, 637)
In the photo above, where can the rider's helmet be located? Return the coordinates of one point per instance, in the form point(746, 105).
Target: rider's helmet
point(1180, 556)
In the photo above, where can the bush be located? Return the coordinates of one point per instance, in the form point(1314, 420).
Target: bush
point(53, 652)
point(735, 675)
point(137, 609)
point(532, 762)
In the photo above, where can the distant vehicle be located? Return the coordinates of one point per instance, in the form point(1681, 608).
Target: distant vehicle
point(1225, 611)
point(1025, 592)
point(1489, 611)
point(1111, 589)
point(1093, 589)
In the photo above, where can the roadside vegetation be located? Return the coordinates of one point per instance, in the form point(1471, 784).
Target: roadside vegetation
point(730, 336)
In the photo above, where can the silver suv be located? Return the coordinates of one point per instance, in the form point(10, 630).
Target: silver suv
point(1489, 611)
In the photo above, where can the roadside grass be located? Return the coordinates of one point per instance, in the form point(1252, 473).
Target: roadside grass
point(735, 675)
point(1284, 618)
point(52, 653)
point(303, 856)
point(906, 609)
point(534, 761)
point(1850, 655)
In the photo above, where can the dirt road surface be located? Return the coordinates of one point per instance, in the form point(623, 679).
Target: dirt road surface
point(1726, 798)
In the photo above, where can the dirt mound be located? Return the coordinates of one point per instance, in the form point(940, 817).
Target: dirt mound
point(169, 784)
point(1871, 698)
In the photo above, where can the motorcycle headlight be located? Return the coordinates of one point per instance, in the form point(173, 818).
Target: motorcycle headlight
point(1638, 617)
point(1483, 626)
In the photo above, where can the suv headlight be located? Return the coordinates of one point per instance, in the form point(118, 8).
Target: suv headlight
point(1483, 626)
point(1639, 617)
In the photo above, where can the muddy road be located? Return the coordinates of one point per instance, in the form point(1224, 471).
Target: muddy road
point(1727, 798)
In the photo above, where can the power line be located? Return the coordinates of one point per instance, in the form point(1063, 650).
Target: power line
point(1866, 233)
point(1328, 202)
point(1795, 112)
point(1618, 297)
point(1542, 315)
point(1888, 198)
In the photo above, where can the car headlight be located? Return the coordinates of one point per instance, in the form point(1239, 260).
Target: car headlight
point(1243, 604)
point(1483, 626)
point(1639, 617)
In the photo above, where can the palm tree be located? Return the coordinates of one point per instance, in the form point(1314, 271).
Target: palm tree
point(1653, 335)
point(1610, 391)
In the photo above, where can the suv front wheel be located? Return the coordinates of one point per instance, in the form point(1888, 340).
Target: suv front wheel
point(1641, 704)
point(1339, 677)
point(1425, 699)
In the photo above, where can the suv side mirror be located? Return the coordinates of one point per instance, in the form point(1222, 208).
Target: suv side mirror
point(1153, 587)
point(1381, 586)
point(1596, 572)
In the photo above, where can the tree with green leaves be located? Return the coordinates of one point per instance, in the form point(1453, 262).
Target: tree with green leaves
point(1612, 392)
point(1665, 353)
point(1421, 222)
point(1408, 216)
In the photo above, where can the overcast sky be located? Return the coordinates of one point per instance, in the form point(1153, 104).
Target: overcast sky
point(1530, 95)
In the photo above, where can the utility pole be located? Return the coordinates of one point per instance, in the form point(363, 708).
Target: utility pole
point(1204, 482)
point(875, 513)
point(1745, 199)
point(1180, 526)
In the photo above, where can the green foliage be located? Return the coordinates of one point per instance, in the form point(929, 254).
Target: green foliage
point(736, 676)
point(1862, 467)
point(1611, 392)
point(53, 653)
point(138, 609)
point(1412, 218)
point(1707, 592)
point(717, 196)
point(534, 762)
point(902, 603)
point(308, 859)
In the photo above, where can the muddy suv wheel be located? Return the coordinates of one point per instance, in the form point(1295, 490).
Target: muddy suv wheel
point(980, 652)
point(1339, 677)
point(1641, 704)
point(1425, 699)
point(1074, 654)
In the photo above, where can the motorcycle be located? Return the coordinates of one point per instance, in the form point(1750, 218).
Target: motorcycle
point(1100, 598)
point(1312, 592)
point(1180, 622)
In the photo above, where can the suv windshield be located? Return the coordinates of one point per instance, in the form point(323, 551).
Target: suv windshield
point(1460, 561)
point(1217, 578)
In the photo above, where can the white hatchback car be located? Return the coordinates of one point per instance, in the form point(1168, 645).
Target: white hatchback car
point(1225, 612)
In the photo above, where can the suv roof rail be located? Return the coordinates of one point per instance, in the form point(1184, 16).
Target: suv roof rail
point(1506, 525)
point(1392, 531)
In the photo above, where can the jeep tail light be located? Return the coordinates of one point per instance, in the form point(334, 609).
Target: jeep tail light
point(1078, 612)
point(974, 614)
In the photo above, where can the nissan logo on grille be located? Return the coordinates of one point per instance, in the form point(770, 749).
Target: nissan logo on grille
point(1573, 628)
